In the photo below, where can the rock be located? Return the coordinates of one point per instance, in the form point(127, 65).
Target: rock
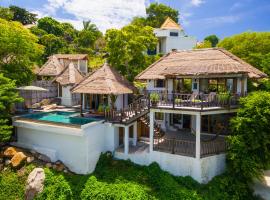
point(59, 167)
point(30, 159)
point(10, 152)
point(18, 159)
point(1, 160)
point(44, 158)
point(1, 167)
point(7, 162)
point(48, 165)
point(35, 183)
point(54, 167)
point(65, 171)
point(33, 152)
point(58, 162)
point(21, 172)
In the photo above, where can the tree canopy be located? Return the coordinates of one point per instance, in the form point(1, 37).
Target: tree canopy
point(157, 14)
point(6, 13)
point(18, 51)
point(213, 39)
point(253, 47)
point(249, 144)
point(127, 49)
point(22, 15)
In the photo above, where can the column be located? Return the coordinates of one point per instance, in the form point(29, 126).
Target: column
point(151, 135)
point(135, 135)
point(198, 136)
point(126, 142)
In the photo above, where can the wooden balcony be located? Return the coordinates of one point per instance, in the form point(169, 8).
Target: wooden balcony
point(194, 101)
point(185, 144)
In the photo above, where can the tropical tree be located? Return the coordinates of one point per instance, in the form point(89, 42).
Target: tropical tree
point(249, 144)
point(6, 13)
point(127, 49)
point(22, 15)
point(8, 96)
point(18, 52)
point(213, 39)
point(51, 26)
point(157, 14)
point(253, 47)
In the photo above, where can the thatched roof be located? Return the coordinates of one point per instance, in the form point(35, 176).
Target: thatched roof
point(199, 62)
point(71, 56)
point(170, 24)
point(70, 75)
point(51, 68)
point(105, 80)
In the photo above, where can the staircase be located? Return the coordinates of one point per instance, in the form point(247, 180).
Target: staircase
point(130, 113)
point(158, 132)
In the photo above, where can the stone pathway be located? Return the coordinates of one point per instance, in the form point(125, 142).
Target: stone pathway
point(263, 188)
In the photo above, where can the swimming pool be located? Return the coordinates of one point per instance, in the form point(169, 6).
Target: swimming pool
point(71, 118)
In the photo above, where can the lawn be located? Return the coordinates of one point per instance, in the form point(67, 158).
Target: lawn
point(114, 179)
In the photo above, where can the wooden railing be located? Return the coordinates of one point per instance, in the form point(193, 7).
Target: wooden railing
point(133, 110)
point(177, 100)
point(175, 146)
point(213, 147)
point(188, 147)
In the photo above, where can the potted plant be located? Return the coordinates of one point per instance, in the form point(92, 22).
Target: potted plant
point(154, 98)
point(177, 101)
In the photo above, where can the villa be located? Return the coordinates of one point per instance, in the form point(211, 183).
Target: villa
point(171, 36)
point(179, 121)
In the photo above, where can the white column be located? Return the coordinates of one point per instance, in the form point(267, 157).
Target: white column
point(198, 136)
point(83, 101)
point(126, 142)
point(151, 135)
point(135, 135)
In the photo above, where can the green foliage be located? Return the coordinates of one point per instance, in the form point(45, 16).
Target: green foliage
point(51, 26)
point(8, 96)
point(127, 49)
point(249, 144)
point(53, 44)
point(253, 47)
point(6, 13)
point(157, 14)
point(204, 44)
point(22, 15)
point(18, 52)
point(226, 187)
point(12, 186)
point(56, 187)
point(154, 97)
point(213, 39)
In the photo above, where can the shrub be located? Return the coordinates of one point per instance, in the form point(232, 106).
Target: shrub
point(249, 144)
point(56, 187)
point(154, 97)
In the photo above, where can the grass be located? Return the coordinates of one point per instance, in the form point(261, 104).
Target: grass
point(114, 179)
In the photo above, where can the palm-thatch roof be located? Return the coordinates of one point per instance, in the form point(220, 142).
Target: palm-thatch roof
point(199, 62)
point(105, 80)
point(51, 68)
point(69, 76)
point(170, 24)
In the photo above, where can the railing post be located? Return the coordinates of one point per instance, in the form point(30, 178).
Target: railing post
point(173, 99)
point(148, 101)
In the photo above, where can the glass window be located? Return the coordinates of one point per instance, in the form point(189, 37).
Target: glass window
point(195, 86)
point(174, 34)
point(159, 83)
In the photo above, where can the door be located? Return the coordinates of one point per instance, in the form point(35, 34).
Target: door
point(121, 136)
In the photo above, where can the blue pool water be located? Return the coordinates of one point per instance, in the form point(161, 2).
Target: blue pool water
point(61, 117)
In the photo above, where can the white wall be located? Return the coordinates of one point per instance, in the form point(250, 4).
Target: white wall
point(119, 101)
point(66, 99)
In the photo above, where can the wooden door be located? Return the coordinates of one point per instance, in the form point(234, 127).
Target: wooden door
point(121, 136)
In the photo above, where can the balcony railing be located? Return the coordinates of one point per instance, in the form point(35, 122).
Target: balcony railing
point(201, 101)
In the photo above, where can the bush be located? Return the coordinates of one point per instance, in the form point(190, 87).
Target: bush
point(154, 97)
point(249, 144)
point(56, 187)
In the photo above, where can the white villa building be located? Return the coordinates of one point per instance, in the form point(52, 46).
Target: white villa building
point(180, 121)
point(171, 36)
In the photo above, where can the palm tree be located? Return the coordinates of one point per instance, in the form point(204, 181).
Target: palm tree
point(88, 26)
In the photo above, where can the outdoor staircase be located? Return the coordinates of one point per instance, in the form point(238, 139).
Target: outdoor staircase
point(158, 132)
point(130, 113)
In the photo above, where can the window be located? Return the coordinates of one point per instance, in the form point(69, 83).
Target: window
point(195, 86)
point(83, 66)
point(159, 83)
point(174, 34)
point(159, 116)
